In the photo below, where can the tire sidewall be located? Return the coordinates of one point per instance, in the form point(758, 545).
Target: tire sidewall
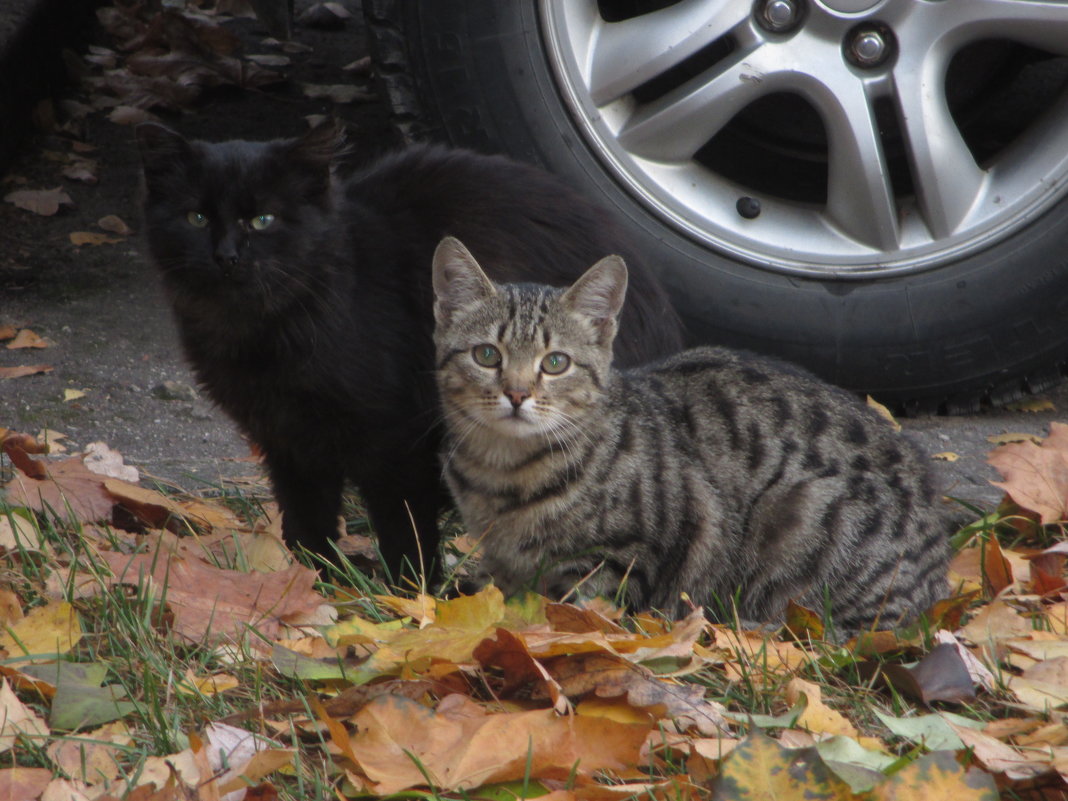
point(960, 329)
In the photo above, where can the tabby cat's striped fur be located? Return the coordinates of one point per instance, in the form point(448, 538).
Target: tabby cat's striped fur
point(741, 482)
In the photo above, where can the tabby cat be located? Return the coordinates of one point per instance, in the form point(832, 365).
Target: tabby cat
point(741, 482)
point(303, 301)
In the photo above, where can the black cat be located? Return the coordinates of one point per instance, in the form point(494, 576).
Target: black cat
point(304, 303)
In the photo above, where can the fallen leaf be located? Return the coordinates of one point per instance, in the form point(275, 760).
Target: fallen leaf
point(130, 115)
point(883, 412)
point(937, 775)
point(7, 332)
point(93, 756)
point(1031, 405)
point(817, 717)
point(103, 461)
point(45, 202)
point(24, 784)
point(1012, 437)
point(72, 395)
point(24, 370)
point(67, 488)
point(338, 92)
point(44, 633)
point(27, 339)
point(946, 456)
point(115, 225)
point(1036, 476)
point(211, 604)
point(760, 768)
point(270, 59)
point(83, 170)
point(401, 744)
point(17, 719)
point(80, 238)
point(997, 757)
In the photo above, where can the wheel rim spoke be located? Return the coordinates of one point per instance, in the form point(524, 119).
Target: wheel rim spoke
point(626, 54)
point(860, 199)
point(675, 126)
point(948, 181)
point(1037, 23)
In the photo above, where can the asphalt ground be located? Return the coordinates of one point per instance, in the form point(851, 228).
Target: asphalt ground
point(117, 374)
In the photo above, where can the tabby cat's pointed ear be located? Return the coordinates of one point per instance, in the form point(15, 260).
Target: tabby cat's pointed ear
point(598, 295)
point(458, 280)
point(161, 148)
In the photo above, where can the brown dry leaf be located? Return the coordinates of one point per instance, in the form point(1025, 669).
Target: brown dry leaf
point(24, 784)
point(508, 652)
point(883, 412)
point(83, 170)
point(997, 757)
point(45, 202)
point(7, 331)
point(754, 656)
point(1031, 405)
point(67, 488)
point(994, 622)
point(997, 571)
point(817, 718)
point(93, 756)
point(338, 92)
point(211, 603)
point(24, 370)
point(114, 224)
point(17, 719)
point(1013, 436)
point(131, 115)
point(27, 339)
point(610, 676)
point(459, 745)
point(1036, 476)
point(941, 675)
point(156, 510)
point(946, 456)
point(80, 238)
point(270, 59)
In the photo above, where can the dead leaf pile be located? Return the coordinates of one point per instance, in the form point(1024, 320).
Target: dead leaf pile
point(165, 59)
point(482, 695)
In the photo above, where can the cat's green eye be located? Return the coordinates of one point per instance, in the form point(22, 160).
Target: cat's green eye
point(555, 363)
point(486, 355)
point(262, 221)
point(196, 219)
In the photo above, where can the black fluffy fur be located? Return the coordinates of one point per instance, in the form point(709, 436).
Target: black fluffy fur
point(314, 334)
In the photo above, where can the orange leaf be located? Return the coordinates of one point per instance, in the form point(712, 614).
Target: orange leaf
point(997, 572)
point(459, 745)
point(24, 370)
point(27, 339)
point(68, 488)
point(1036, 476)
point(210, 603)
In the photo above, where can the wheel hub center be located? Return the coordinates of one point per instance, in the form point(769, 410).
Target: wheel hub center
point(848, 6)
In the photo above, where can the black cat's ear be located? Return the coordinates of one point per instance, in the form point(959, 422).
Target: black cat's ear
point(161, 148)
point(320, 147)
point(599, 294)
point(458, 280)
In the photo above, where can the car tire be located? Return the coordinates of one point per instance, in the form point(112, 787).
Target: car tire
point(988, 327)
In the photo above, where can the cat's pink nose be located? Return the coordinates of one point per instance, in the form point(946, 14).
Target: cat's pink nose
point(517, 396)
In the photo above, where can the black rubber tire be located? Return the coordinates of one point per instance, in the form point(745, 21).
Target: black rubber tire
point(988, 328)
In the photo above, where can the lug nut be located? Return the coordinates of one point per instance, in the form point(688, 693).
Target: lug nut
point(869, 47)
point(779, 16)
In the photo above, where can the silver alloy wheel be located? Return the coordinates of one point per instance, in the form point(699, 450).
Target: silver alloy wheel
point(830, 56)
